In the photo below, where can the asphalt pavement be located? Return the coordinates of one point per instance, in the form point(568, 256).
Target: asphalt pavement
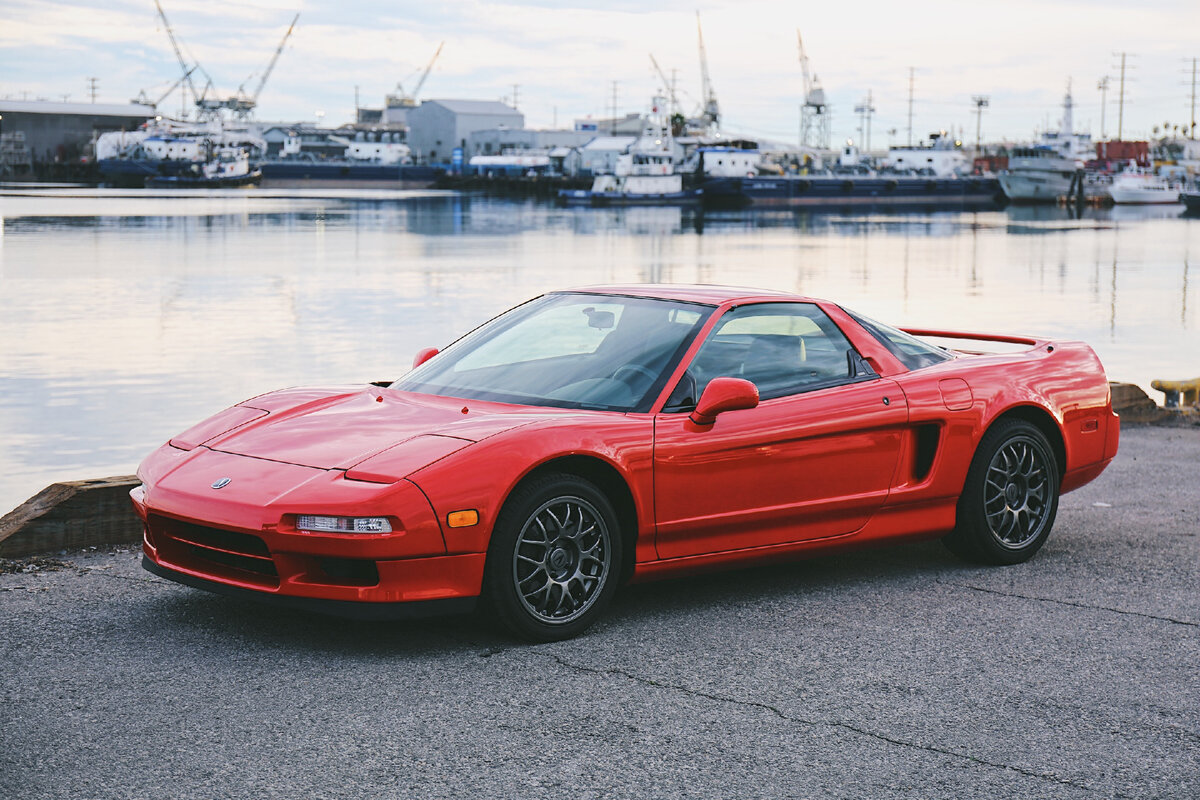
point(898, 672)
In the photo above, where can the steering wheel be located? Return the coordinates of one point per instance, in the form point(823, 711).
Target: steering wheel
point(634, 369)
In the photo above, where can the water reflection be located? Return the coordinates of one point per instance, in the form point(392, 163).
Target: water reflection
point(123, 318)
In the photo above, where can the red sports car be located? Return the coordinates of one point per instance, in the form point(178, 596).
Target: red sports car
point(592, 437)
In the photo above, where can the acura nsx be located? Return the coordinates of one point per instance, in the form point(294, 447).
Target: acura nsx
point(592, 437)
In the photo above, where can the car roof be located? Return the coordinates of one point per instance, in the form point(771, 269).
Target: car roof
point(693, 293)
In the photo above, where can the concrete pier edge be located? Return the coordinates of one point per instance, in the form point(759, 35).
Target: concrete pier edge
point(75, 515)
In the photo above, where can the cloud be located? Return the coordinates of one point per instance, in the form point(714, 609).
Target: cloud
point(564, 56)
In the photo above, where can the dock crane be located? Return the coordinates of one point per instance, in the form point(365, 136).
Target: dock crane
point(814, 114)
point(668, 85)
point(710, 112)
point(211, 107)
point(183, 65)
point(144, 98)
point(242, 105)
point(403, 99)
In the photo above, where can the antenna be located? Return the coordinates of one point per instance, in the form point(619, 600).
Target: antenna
point(866, 109)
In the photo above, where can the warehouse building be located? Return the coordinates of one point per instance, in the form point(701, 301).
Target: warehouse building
point(57, 133)
point(437, 127)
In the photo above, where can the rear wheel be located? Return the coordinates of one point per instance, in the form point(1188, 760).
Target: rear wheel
point(1010, 498)
point(554, 558)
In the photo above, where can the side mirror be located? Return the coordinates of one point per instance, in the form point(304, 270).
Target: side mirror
point(424, 355)
point(724, 394)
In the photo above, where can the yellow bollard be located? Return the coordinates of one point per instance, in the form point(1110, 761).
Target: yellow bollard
point(1188, 391)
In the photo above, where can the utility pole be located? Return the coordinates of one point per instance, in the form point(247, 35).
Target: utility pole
point(92, 87)
point(981, 102)
point(910, 101)
point(1192, 128)
point(516, 95)
point(866, 109)
point(1121, 101)
point(1102, 85)
point(612, 126)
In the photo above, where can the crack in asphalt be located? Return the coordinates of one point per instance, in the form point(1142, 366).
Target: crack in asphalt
point(1188, 623)
point(811, 723)
point(104, 574)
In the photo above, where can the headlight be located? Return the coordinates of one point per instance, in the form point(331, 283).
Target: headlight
point(309, 522)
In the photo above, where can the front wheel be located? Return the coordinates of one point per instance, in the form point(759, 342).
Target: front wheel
point(554, 558)
point(1010, 498)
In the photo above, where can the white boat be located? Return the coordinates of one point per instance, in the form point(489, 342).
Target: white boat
point(1037, 175)
point(645, 175)
point(185, 153)
point(1043, 172)
point(943, 157)
point(1137, 186)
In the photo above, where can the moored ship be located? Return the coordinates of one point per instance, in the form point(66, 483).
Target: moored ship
point(1142, 188)
point(832, 191)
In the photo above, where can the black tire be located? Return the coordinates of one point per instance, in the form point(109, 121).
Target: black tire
point(1008, 504)
point(554, 560)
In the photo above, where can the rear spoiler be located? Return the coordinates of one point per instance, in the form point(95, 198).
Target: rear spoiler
point(975, 337)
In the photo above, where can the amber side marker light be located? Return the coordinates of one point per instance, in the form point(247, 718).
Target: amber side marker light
point(462, 519)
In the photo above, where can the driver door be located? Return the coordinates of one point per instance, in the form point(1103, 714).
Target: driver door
point(814, 460)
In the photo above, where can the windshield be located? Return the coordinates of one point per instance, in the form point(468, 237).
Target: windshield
point(570, 350)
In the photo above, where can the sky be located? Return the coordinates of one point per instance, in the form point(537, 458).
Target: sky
point(560, 59)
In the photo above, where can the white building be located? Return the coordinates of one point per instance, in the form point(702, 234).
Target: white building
point(600, 154)
point(436, 127)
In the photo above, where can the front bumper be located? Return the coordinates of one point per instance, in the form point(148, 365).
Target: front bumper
point(366, 576)
point(339, 608)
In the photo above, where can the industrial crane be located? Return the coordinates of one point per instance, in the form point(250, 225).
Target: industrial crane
point(211, 107)
point(242, 105)
point(403, 99)
point(183, 65)
point(668, 85)
point(144, 98)
point(711, 110)
point(814, 114)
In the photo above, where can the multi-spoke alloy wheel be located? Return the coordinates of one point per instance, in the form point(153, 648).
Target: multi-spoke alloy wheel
point(1010, 497)
point(562, 559)
point(554, 558)
point(1015, 493)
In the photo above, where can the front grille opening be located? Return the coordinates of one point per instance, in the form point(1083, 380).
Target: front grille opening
point(227, 553)
point(220, 539)
point(927, 445)
point(350, 571)
point(244, 563)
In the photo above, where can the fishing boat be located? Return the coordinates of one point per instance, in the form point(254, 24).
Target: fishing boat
point(1037, 175)
point(1045, 171)
point(167, 152)
point(1142, 187)
point(224, 167)
point(645, 175)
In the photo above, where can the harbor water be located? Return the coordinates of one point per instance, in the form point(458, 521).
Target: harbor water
point(126, 317)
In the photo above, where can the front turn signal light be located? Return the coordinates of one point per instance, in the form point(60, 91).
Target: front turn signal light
point(462, 519)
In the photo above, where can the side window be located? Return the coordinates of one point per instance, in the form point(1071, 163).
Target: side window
point(782, 348)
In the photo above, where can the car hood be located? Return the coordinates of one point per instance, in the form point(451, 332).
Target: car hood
point(332, 429)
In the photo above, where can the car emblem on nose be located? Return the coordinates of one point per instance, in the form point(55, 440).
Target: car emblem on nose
point(221, 482)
